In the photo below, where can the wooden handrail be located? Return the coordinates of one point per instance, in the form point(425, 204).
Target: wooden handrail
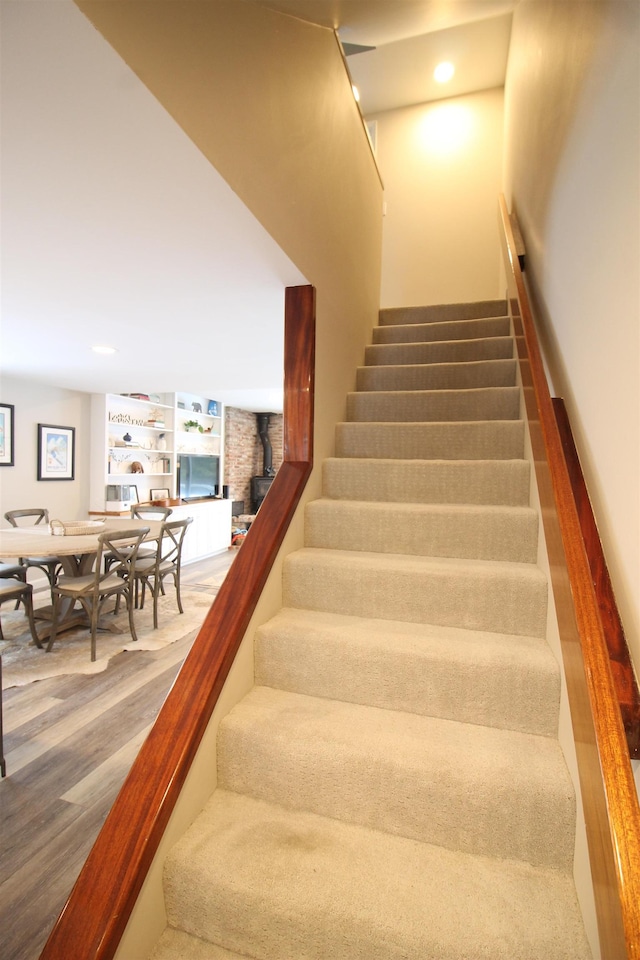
point(94, 918)
point(621, 666)
point(609, 797)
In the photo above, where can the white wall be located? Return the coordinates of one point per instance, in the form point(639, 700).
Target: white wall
point(19, 486)
point(268, 101)
point(572, 162)
point(441, 165)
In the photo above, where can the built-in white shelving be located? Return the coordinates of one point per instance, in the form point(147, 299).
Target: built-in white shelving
point(146, 433)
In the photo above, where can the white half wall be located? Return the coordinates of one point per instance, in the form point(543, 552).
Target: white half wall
point(441, 165)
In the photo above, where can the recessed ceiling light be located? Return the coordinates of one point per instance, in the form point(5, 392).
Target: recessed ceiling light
point(356, 92)
point(100, 349)
point(444, 71)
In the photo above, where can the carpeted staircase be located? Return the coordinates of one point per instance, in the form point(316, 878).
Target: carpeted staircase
point(392, 788)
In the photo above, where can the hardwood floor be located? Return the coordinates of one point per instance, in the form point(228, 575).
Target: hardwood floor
point(69, 742)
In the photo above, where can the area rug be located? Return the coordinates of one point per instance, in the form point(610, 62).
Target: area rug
point(23, 662)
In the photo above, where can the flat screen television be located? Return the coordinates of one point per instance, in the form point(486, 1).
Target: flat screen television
point(198, 475)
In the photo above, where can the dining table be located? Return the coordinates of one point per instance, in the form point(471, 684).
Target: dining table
point(77, 554)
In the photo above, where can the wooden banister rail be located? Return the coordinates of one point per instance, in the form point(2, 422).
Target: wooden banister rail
point(621, 666)
point(609, 796)
point(94, 918)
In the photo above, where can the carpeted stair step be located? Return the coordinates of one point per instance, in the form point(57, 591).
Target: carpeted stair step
point(438, 376)
point(274, 884)
point(428, 481)
point(472, 594)
point(442, 312)
point(466, 787)
point(447, 330)
point(482, 403)
point(466, 440)
point(473, 677)
point(440, 351)
point(436, 530)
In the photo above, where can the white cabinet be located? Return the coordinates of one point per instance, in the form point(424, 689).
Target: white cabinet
point(210, 531)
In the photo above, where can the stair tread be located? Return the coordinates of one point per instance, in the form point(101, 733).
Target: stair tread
point(474, 393)
point(496, 510)
point(484, 568)
point(434, 351)
point(461, 329)
point(276, 884)
point(467, 310)
point(480, 789)
point(399, 631)
point(437, 376)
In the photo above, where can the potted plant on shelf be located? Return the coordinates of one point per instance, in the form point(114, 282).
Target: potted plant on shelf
point(192, 425)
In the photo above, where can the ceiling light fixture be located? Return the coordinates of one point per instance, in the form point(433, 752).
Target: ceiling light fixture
point(356, 92)
point(105, 350)
point(444, 71)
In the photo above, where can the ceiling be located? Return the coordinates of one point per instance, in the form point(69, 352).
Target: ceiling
point(410, 37)
point(116, 230)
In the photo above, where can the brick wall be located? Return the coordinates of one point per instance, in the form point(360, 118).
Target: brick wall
point(244, 453)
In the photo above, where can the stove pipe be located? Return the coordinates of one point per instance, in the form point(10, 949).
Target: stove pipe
point(263, 433)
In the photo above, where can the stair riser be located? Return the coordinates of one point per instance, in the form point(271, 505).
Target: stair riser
point(447, 594)
point(412, 481)
point(443, 312)
point(178, 945)
point(473, 534)
point(497, 440)
point(415, 777)
point(506, 682)
point(488, 403)
point(454, 330)
point(452, 351)
point(438, 376)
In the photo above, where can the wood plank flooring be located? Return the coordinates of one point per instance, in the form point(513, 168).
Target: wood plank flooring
point(69, 743)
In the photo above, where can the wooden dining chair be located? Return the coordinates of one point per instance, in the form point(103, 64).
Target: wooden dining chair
point(21, 591)
point(13, 571)
point(144, 511)
point(93, 590)
point(15, 588)
point(152, 572)
point(141, 511)
point(51, 566)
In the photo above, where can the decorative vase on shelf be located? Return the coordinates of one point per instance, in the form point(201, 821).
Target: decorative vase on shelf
point(162, 441)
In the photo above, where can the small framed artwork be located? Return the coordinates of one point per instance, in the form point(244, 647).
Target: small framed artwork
point(6, 434)
point(56, 452)
point(159, 494)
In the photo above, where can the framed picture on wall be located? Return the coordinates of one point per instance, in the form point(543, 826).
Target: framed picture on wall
point(6, 435)
point(56, 452)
